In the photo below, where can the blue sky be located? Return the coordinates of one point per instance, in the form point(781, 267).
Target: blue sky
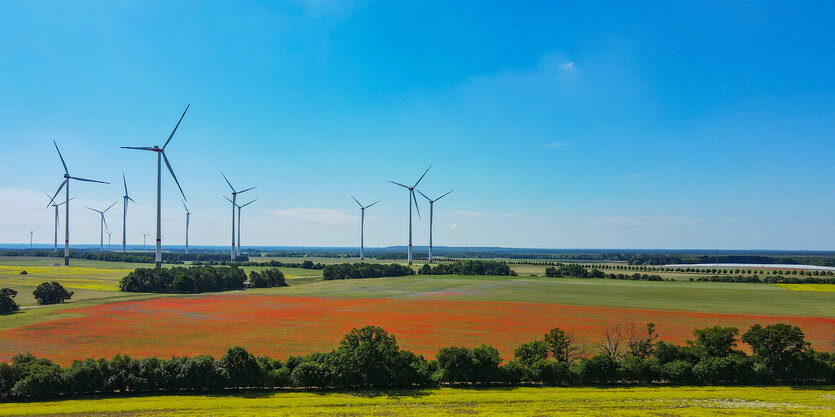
point(575, 125)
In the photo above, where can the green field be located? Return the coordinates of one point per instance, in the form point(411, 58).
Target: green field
point(679, 401)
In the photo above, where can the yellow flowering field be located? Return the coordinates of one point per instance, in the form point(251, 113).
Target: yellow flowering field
point(808, 287)
point(666, 401)
point(69, 276)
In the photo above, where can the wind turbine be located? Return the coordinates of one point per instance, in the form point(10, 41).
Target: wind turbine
point(239, 221)
point(160, 157)
point(66, 183)
point(109, 235)
point(31, 232)
point(362, 225)
point(144, 235)
point(431, 209)
point(102, 224)
point(188, 214)
point(125, 199)
point(56, 217)
point(412, 198)
point(234, 202)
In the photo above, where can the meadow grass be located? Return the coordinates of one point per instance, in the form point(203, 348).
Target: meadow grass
point(711, 297)
point(661, 401)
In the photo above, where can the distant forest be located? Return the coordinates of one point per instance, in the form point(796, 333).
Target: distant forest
point(634, 257)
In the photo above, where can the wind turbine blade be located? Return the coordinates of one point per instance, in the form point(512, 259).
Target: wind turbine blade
point(184, 206)
point(421, 177)
point(131, 199)
point(175, 127)
point(397, 183)
point(250, 188)
point(372, 204)
point(110, 206)
point(63, 183)
point(416, 204)
point(61, 203)
point(172, 174)
point(125, 182)
point(230, 184)
point(86, 180)
point(424, 195)
point(138, 148)
point(227, 199)
point(444, 195)
point(66, 171)
point(355, 199)
point(89, 208)
point(249, 203)
point(105, 222)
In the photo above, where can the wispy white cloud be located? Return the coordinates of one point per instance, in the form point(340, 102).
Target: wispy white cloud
point(455, 226)
point(567, 66)
point(626, 176)
point(555, 145)
point(482, 213)
point(315, 215)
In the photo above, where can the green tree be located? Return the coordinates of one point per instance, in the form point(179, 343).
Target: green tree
point(531, 352)
point(241, 368)
point(562, 345)
point(51, 293)
point(716, 341)
point(7, 302)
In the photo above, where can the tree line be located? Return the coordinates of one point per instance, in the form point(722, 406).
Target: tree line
point(371, 358)
point(768, 279)
point(365, 270)
point(469, 267)
point(266, 279)
point(181, 280)
point(134, 257)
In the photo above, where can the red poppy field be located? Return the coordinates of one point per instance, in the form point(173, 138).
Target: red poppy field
point(281, 325)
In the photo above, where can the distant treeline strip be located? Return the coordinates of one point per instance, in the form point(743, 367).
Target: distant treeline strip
point(371, 358)
point(135, 257)
point(469, 267)
point(182, 280)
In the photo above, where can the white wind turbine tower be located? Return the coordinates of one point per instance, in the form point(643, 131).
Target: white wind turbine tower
point(160, 157)
point(66, 183)
point(144, 235)
point(56, 218)
point(125, 199)
point(431, 210)
point(109, 235)
point(362, 225)
point(239, 221)
point(188, 214)
point(412, 198)
point(31, 232)
point(234, 202)
point(102, 224)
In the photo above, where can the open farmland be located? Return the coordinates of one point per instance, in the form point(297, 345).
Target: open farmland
point(680, 401)
point(425, 313)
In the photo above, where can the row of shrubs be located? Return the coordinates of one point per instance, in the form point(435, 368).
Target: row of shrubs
point(769, 279)
point(370, 358)
point(365, 270)
point(470, 267)
point(194, 279)
point(308, 264)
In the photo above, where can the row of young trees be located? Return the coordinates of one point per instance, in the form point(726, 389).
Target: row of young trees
point(183, 280)
point(469, 267)
point(370, 358)
point(769, 279)
point(365, 270)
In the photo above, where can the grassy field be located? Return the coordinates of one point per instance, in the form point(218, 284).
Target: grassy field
point(713, 297)
point(425, 312)
point(679, 401)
